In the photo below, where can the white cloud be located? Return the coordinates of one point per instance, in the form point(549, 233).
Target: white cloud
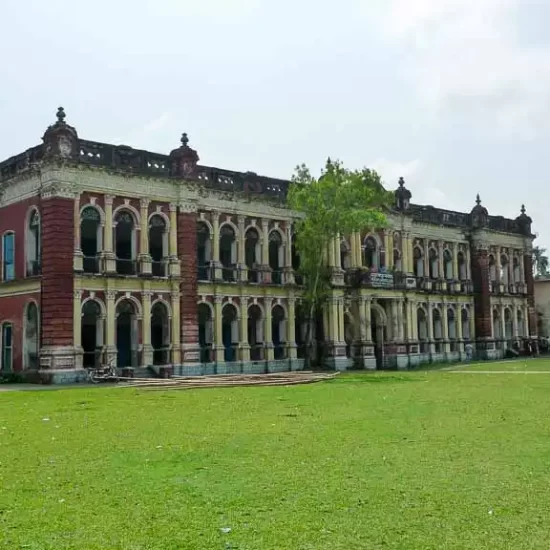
point(465, 57)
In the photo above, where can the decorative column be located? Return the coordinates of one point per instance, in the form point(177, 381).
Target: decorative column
point(459, 334)
point(244, 343)
point(431, 328)
point(288, 271)
point(111, 350)
point(176, 329)
point(241, 247)
point(368, 325)
point(440, 262)
point(108, 251)
point(77, 328)
point(268, 302)
point(266, 270)
point(394, 321)
point(498, 268)
point(456, 275)
point(389, 250)
point(218, 330)
point(414, 318)
point(426, 258)
point(144, 256)
point(187, 252)
point(356, 255)
point(482, 297)
point(472, 321)
point(341, 328)
point(291, 329)
point(386, 248)
point(503, 327)
point(515, 321)
point(400, 320)
point(147, 358)
point(217, 272)
point(78, 256)
point(406, 251)
point(526, 330)
point(468, 263)
point(173, 242)
point(445, 320)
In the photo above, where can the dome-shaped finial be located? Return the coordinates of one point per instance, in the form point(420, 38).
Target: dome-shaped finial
point(61, 115)
point(478, 200)
point(184, 139)
point(401, 182)
point(523, 209)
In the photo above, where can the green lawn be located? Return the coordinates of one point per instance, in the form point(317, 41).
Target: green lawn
point(523, 364)
point(420, 460)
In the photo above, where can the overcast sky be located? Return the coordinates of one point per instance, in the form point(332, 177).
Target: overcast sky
point(454, 95)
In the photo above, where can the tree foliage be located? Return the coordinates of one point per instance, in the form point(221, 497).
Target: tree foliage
point(339, 202)
point(540, 262)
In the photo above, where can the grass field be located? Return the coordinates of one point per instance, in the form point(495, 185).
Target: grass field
point(420, 460)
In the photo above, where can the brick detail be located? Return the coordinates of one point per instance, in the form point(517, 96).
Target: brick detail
point(530, 283)
point(482, 296)
point(57, 271)
point(187, 252)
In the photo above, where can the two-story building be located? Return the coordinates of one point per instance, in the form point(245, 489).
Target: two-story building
point(157, 262)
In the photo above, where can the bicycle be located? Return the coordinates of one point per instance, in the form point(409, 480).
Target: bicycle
point(103, 374)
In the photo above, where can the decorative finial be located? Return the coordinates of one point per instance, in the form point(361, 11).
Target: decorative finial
point(61, 115)
point(478, 200)
point(523, 209)
point(401, 182)
point(184, 139)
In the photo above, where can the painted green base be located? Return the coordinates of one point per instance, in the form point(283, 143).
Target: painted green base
point(61, 376)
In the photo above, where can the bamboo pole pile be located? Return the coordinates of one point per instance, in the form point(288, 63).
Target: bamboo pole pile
point(227, 380)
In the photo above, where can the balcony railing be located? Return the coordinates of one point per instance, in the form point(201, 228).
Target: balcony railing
point(158, 269)
point(90, 264)
point(126, 267)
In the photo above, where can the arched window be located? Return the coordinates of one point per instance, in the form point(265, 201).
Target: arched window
point(90, 239)
point(8, 256)
point(345, 255)
point(252, 252)
point(348, 334)
point(465, 325)
point(508, 325)
point(256, 333)
point(296, 261)
point(92, 328)
point(6, 341)
point(371, 254)
point(127, 334)
point(448, 264)
point(418, 262)
point(278, 332)
point(497, 328)
point(228, 252)
point(230, 332)
point(158, 245)
point(451, 324)
point(31, 335)
point(422, 328)
point(160, 334)
point(521, 324)
point(205, 333)
point(462, 272)
point(517, 270)
point(33, 244)
point(504, 268)
point(125, 243)
point(276, 257)
point(204, 252)
point(434, 264)
point(437, 324)
point(397, 264)
point(492, 269)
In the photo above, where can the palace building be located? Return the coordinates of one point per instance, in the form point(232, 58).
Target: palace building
point(169, 266)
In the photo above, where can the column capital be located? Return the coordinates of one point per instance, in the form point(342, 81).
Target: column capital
point(144, 203)
point(110, 295)
point(78, 294)
point(173, 207)
point(218, 299)
point(215, 215)
point(265, 223)
point(146, 294)
point(108, 199)
point(240, 221)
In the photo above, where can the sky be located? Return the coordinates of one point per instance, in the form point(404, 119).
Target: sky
point(453, 95)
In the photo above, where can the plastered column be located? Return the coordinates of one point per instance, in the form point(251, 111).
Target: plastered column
point(267, 330)
point(111, 325)
point(218, 330)
point(291, 328)
point(110, 264)
point(147, 358)
point(78, 257)
point(173, 242)
point(244, 343)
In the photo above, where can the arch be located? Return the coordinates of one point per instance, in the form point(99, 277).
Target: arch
point(256, 317)
point(516, 270)
point(397, 263)
point(278, 331)
point(126, 226)
point(422, 328)
point(280, 233)
point(437, 321)
point(229, 223)
point(95, 207)
point(92, 331)
point(461, 261)
point(160, 328)
point(205, 318)
point(31, 335)
point(520, 323)
point(131, 209)
point(161, 214)
point(206, 222)
point(204, 250)
point(465, 320)
point(508, 324)
point(497, 328)
point(33, 232)
point(258, 305)
point(504, 269)
point(131, 298)
point(492, 269)
point(158, 231)
point(381, 312)
point(345, 254)
point(165, 303)
point(451, 323)
point(230, 331)
point(99, 302)
point(206, 303)
point(234, 306)
point(8, 255)
point(228, 250)
point(276, 255)
point(349, 335)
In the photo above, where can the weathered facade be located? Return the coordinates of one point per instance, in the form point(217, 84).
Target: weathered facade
point(109, 252)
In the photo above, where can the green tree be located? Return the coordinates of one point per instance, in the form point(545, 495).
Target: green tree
point(339, 202)
point(540, 262)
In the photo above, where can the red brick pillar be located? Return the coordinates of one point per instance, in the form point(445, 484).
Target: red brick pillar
point(187, 252)
point(530, 283)
point(57, 351)
point(482, 295)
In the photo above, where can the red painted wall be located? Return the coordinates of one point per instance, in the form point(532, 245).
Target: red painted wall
point(13, 218)
point(12, 310)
